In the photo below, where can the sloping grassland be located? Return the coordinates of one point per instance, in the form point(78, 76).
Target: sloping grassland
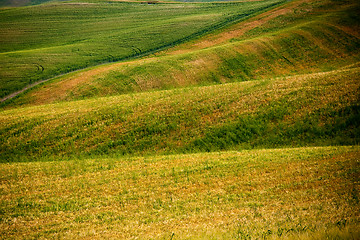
point(320, 108)
point(251, 132)
point(313, 109)
point(43, 41)
point(299, 37)
point(290, 193)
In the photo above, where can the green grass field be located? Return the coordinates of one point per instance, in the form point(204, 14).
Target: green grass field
point(295, 42)
point(221, 121)
point(19, 3)
point(43, 41)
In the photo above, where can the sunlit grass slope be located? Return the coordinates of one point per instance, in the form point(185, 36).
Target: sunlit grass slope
point(43, 41)
point(301, 193)
point(314, 109)
point(299, 37)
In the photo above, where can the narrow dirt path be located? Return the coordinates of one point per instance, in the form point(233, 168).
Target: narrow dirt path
point(23, 90)
point(79, 77)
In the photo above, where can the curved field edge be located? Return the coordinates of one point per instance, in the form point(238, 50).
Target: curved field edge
point(289, 193)
point(298, 37)
point(304, 110)
point(70, 36)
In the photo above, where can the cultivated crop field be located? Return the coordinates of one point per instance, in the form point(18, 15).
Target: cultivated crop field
point(180, 120)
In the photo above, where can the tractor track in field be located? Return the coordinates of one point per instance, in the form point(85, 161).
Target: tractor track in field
point(91, 72)
point(12, 95)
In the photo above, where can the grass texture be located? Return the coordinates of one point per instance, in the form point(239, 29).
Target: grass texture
point(296, 38)
point(290, 193)
point(313, 109)
point(43, 41)
point(250, 132)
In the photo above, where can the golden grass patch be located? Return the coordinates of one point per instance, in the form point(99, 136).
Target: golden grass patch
point(275, 192)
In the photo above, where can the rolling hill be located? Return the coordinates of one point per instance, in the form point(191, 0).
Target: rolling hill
point(43, 41)
point(200, 120)
point(280, 42)
point(312, 109)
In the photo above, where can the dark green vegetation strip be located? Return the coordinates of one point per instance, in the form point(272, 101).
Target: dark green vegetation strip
point(43, 41)
point(18, 3)
point(315, 109)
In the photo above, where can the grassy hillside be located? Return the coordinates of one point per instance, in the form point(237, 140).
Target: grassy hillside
point(43, 41)
point(250, 132)
point(314, 109)
point(301, 193)
point(299, 37)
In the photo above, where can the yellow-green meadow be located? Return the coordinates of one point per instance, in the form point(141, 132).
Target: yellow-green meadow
point(180, 120)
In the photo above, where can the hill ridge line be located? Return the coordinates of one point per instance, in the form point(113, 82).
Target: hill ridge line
point(348, 68)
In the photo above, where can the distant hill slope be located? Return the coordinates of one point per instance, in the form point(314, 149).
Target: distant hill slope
point(299, 37)
point(43, 41)
point(19, 3)
point(305, 110)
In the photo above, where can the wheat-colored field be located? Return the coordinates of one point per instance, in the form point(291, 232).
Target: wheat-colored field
point(307, 193)
point(244, 126)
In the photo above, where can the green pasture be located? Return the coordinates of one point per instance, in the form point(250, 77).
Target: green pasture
point(310, 38)
point(43, 41)
point(289, 193)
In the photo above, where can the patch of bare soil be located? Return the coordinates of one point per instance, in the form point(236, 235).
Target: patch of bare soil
point(237, 30)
